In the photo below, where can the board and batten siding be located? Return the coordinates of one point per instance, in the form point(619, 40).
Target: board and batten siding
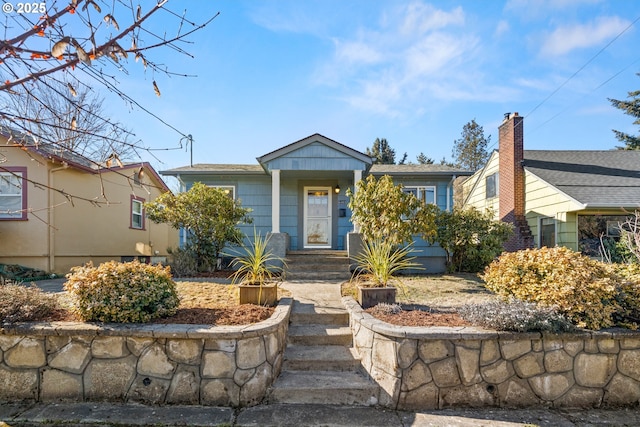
point(316, 157)
point(543, 200)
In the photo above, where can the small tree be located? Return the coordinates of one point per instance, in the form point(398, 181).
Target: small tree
point(422, 159)
point(384, 211)
point(470, 151)
point(472, 239)
point(209, 216)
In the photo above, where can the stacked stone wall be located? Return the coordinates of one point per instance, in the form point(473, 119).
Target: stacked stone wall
point(431, 368)
point(153, 364)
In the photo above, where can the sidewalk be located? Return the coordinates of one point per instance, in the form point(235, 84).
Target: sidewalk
point(93, 414)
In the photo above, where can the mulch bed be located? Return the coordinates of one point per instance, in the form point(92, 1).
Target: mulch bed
point(420, 318)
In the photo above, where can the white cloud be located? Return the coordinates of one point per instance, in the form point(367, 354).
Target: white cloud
point(565, 39)
point(502, 28)
point(386, 68)
point(421, 18)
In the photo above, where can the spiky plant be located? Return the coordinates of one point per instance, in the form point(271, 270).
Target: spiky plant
point(256, 264)
point(380, 260)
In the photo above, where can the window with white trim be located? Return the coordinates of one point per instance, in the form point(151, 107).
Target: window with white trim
point(426, 194)
point(229, 190)
point(137, 213)
point(491, 185)
point(13, 194)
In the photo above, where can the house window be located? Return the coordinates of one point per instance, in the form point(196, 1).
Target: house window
point(491, 185)
point(426, 194)
point(13, 194)
point(229, 190)
point(137, 213)
point(547, 232)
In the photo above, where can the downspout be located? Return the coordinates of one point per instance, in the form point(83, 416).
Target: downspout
point(449, 191)
point(51, 262)
point(182, 237)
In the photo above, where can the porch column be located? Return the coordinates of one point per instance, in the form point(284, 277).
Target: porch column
point(357, 177)
point(275, 201)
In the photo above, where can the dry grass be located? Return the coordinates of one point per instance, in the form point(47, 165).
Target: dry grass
point(432, 300)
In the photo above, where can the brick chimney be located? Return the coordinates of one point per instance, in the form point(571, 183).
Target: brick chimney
point(511, 182)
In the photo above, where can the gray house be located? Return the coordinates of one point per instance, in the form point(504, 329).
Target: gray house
point(297, 193)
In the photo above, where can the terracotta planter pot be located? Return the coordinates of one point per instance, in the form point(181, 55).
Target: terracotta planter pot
point(369, 297)
point(250, 294)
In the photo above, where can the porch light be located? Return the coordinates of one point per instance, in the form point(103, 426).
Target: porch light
point(337, 189)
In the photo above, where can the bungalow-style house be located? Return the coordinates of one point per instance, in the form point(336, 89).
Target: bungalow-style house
point(297, 193)
point(556, 197)
point(58, 210)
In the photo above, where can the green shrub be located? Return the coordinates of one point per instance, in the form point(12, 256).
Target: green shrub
point(128, 292)
point(22, 304)
point(515, 315)
point(582, 289)
point(471, 238)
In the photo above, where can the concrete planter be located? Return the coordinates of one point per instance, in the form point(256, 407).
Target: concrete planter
point(370, 297)
point(259, 294)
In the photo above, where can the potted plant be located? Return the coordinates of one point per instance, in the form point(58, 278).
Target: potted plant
point(375, 268)
point(258, 273)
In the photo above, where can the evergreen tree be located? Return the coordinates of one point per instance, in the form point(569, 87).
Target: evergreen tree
point(470, 151)
point(404, 159)
point(423, 159)
point(382, 152)
point(632, 108)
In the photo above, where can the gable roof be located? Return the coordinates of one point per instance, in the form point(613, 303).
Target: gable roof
point(316, 137)
point(594, 178)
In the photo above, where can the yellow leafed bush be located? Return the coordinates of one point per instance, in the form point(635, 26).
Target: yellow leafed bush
point(128, 292)
point(583, 289)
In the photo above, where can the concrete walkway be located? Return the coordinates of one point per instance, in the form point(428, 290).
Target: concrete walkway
point(319, 296)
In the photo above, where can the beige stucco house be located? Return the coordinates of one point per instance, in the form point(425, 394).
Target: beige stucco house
point(556, 197)
point(58, 210)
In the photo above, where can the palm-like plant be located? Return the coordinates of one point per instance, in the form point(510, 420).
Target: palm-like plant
point(256, 264)
point(380, 260)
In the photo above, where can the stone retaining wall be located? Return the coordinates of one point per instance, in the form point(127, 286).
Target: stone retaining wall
point(157, 364)
point(428, 368)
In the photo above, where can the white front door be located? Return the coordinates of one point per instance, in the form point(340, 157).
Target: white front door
point(317, 217)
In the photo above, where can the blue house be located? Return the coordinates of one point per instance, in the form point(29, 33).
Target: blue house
point(297, 193)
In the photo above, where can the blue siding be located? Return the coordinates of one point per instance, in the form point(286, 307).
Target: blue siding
point(316, 156)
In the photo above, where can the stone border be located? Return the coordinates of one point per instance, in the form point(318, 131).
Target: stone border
point(154, 364)
point(422, 368)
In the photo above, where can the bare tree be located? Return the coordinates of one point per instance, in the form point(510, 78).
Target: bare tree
point(75, 122)
point(64, 44)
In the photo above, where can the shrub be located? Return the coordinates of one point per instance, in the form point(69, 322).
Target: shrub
point(183, 261)
point(383, 308)
point(515, 315)
point(471, 238)
point(628, 295)
point(582, 289)
point(128, 292)
point(22, 304)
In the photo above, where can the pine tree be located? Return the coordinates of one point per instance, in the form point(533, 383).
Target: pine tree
point(382, 152)
point(422, 159)
point(470, 151)
point(632, 108)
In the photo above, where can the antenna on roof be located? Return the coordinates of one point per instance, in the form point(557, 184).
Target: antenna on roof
point(189, 139)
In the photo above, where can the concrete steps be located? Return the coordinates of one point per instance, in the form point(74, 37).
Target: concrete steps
point(319, 365)
point(326, 387)
point(317, 265)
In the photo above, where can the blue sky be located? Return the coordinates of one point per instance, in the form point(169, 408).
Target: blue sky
point(414, 72)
